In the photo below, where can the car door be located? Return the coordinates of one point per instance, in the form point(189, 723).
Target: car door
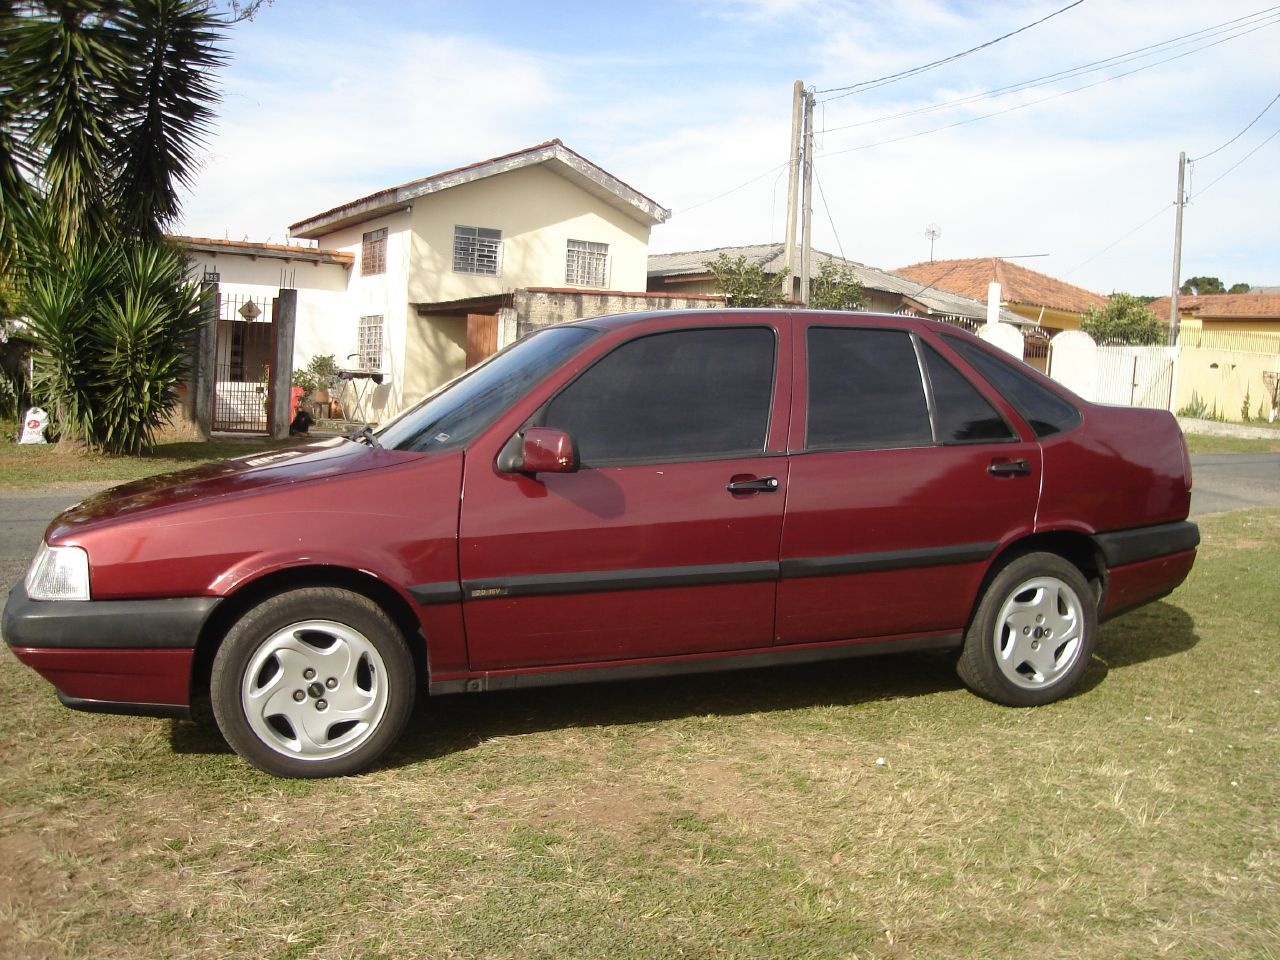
point(905, 481)
point(665, 542)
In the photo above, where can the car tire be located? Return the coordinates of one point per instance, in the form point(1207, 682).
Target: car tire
point(315, 682)
point(1032, 635)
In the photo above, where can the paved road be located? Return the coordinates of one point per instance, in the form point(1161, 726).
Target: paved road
point(1225, 481)
point(23, 518)
point(1232, 481)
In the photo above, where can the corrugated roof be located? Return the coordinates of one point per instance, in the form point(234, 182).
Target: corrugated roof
point(770, 257)
point(1018, 284)
point(553, 154)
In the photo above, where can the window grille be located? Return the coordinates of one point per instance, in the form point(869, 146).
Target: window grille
point(373, 253)
point(476, 250)
point(370, 346)
point(587, 264)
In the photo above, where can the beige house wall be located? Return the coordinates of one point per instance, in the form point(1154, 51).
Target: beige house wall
point(379, 294)
point(1222, 379)
point(538, 213)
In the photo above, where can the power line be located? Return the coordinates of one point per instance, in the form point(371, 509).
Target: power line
point(741, 186)
point(1240, 161)
point(914, 71)
point(1241, 133)
point(1032, 103)
point(830, 219)
point(1156, 216)
point(1239, 27)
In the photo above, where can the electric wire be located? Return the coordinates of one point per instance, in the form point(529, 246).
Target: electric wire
point(1241, 133)
point(1236, 28)
point(1029, 103)
point(1151, 219)
point(741, 186)
point(924, 68)
point(1231, 168)
point(831, 220)
point(1239, 27)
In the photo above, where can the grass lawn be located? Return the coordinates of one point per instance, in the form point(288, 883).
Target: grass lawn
point(873, 809)
point(1198, 443)
point(39, 465)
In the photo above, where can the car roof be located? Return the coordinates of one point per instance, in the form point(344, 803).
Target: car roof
point(732, 315)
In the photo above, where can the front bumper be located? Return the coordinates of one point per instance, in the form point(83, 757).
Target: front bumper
point(110, 656)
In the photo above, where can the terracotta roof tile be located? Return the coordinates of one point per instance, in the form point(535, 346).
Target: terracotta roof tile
point(1017, 283)
point(1234, 306)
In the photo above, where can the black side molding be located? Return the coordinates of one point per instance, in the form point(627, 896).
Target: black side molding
point(1147, 543)
point(650, 669)
point(121, 708)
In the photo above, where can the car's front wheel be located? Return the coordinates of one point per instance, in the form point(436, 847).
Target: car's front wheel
point(315, 682)
point(1032, 634)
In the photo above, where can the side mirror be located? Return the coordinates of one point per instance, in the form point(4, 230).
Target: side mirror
point(539, 450)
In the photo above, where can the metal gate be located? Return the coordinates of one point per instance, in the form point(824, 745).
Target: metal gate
point(246, 347)
point(1136, 376)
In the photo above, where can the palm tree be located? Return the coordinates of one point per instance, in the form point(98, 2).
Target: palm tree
point(104, 105)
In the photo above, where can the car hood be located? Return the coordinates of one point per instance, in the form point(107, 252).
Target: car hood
point(227, 478)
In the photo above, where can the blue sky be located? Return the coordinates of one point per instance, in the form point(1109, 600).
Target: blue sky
point(690, 104)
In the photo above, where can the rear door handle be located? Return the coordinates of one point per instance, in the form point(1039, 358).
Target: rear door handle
point(754, 485)
point(1009, 468)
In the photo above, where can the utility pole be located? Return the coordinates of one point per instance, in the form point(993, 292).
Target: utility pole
point(793, 187)
point(1177, 254)
point(806, 233)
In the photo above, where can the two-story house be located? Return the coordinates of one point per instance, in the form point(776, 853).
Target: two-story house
point(449, 268)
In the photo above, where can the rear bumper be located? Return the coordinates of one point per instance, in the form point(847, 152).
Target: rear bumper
point(110, 656)
point(1146, 564)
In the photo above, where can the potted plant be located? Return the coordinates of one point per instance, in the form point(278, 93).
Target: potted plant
point(317, 378)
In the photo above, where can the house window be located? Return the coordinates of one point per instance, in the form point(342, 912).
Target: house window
point(373, 253)
point(476, 250)
point(587, 264)
point(371, 343)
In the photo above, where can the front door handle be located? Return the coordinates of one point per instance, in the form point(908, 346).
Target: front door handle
point(1009, 468)
point(753, 485)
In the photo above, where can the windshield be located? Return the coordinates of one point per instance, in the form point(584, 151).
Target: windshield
point(460, 409)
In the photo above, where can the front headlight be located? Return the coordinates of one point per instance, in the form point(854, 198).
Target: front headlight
point(59, 573)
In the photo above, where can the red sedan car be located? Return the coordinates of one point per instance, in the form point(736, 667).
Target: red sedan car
point(627, 496)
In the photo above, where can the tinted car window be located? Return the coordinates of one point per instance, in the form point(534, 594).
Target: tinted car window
point(672, 396)
point(457, 412)
point(1045, 411)
point(865, 390)
point(963, 414)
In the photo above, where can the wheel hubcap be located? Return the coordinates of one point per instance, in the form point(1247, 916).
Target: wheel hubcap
point(315, 690)
point(1039, 632)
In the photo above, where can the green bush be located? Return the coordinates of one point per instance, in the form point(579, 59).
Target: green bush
point(113, 329)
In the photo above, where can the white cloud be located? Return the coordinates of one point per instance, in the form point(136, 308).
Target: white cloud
point(324, 107)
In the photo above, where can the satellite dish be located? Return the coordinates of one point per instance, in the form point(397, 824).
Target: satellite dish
point(933, 232)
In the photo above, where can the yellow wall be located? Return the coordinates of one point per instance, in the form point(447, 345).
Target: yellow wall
point(538, 212)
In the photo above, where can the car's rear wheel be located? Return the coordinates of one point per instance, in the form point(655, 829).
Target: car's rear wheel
point(1032, 634)
point(315, 682)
